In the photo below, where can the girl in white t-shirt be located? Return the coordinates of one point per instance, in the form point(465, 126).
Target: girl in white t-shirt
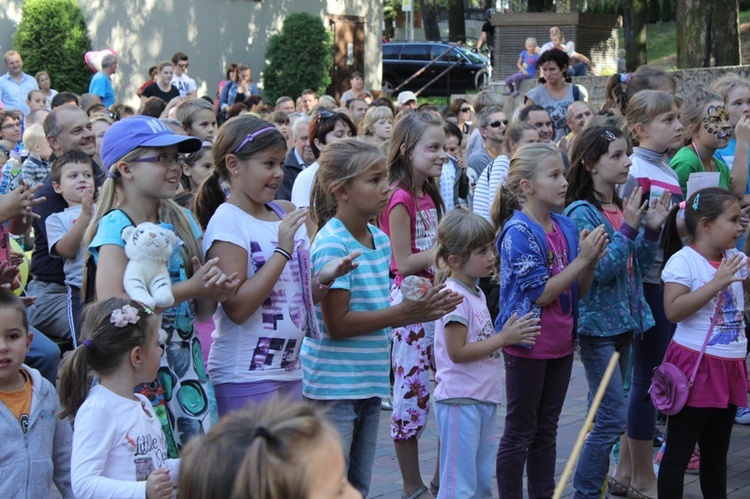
point(467, 357)
point(119, 447)
point(259, 329)
point(703, 295)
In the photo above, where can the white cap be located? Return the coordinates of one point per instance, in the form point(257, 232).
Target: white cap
point(405, 97)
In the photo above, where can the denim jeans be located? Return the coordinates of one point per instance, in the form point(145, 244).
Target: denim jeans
point(357, 422)
point(535, 393)
point(467, 446)
point(609, 425)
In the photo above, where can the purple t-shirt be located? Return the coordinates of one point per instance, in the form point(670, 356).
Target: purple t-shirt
point(556, 338)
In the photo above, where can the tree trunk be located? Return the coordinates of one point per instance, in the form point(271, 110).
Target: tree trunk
point(634, 22)
point(429, 10)
point(693, 33)
point(456, 22)
point(725, 33)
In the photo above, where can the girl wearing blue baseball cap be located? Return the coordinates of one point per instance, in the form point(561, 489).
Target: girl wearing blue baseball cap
point(144, 165)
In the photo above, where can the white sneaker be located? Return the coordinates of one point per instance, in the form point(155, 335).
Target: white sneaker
point(743, 416)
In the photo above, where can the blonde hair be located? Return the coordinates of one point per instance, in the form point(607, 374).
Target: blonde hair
point(372, 116)
point(647, 105)
point(530, 39)
point(262, 452)
point(186, 111)
point(33, 136)
point(340, 162)
point(459, 234)
point(523, 166)
point(729, 83)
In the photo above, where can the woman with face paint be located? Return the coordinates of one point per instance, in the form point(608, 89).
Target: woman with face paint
point(706, 120)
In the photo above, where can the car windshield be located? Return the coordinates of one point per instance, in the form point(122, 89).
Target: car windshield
point(476, 58)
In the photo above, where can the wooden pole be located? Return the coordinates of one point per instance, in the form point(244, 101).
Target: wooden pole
point(586, 424)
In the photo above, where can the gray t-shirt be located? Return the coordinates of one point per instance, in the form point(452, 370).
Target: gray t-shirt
point(479, 160)
point(58, 224)
point(556, 108)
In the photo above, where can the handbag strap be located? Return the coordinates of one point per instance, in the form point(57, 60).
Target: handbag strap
point(714, 319)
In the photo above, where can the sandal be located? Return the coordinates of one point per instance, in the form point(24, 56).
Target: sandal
point(616, 488)
point(634, 494)
point(417, 493)
point(434, 488)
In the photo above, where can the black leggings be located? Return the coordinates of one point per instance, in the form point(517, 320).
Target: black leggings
point(711, 429)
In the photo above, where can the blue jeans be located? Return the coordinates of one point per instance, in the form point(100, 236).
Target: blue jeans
point(357, 422)
point(467, 447)
point(609, 425)
point(44, 355)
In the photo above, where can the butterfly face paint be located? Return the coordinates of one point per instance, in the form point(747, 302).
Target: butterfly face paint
point(716, 122)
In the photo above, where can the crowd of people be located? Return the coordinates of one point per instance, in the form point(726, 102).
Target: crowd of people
point(334, 257)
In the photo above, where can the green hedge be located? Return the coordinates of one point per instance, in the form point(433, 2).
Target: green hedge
point(53, 36)
point(300, 56)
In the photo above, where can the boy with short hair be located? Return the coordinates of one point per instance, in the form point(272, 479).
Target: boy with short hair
point(36, 444)
point(73, 178)
point(36, 100)
point(36, 166)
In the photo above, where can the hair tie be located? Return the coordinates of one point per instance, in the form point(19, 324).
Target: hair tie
point(682, 205)
point(110, 174)
point(625, 78)
point(88, 343)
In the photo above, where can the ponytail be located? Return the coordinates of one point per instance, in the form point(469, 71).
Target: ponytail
point(670, 240)
point(503, 207)
point(208, 198)
point(74, 382)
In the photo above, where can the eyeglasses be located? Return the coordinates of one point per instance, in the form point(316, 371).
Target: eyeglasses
point(465, 109)
point(10, 125)
point(183, 65)
point(496, 124)
point(163, 159)
point(252, 137)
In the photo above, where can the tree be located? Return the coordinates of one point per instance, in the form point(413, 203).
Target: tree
point(635, 33)
point(300, 56)
point(429, 9)
point(53, 36)
point(707, 31)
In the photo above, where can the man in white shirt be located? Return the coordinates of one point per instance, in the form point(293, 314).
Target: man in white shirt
point(180, 79)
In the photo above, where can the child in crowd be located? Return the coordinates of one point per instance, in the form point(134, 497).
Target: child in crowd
point(545, 267)
point(707, 120)
point(347, 368)
point(260, 328)
point(653, 123)
point(198, 118)
point(73, 178)
point(415, 162)
point(275, 450)
point(703, 295)
point(377, 124)
point(36, 166)
point(621, 87)
point(454, 181)
point(141, 156)
point(736, 94)
point(119, 449)
point(36, 100)
point(467, 357)
point(517, 135)
point(197, 166)
point(527, 60)
point(614, 309)
point(36, 445)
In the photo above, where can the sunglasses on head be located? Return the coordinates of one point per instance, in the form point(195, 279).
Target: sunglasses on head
point(496, 124)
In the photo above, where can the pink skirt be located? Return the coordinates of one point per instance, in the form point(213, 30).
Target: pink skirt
point(719, 381)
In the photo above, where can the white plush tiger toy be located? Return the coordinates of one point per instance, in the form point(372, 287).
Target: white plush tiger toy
point(146, 279)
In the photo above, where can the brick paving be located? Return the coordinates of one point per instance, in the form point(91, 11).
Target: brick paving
point(386, 481)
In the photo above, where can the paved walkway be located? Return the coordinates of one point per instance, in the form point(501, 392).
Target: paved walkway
point(386, 482)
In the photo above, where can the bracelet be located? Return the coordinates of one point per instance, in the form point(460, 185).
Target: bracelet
point(324, 286)
point(283, 253)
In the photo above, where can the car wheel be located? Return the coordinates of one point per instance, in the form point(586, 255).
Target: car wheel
point(387, 86)
point(481, 80)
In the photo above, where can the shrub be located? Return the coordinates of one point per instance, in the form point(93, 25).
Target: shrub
point(52, 36)
point(300, 56)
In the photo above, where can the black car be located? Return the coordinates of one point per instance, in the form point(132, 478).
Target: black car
point(402, 59)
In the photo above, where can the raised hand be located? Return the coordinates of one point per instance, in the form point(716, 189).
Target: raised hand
point(435, 304)
point(726, 274)
point(210, 282)
point(338, 267)
point(592, 245)
point(658, 211)
point(19, 202)
point(288, 228)
point(633, 209)
point(524, 330)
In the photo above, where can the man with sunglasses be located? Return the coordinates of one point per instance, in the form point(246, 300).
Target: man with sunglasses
point(491, 124)
point(180, 78)
point(101, 83)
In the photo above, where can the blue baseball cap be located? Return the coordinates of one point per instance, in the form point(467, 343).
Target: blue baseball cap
point(141, 131)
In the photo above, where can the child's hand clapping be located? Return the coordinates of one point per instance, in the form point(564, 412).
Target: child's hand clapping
point(593, 245)
point(658, 211)
point(726, 274)
point(159, 485)
point(87, 204)
point(524, 330)
point(435, 304)
point(633, 209)
point(19, 202)
point(211, 283)
point(288, 228)
point(338, 267)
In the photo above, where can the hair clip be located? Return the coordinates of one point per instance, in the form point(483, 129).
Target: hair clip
point(625, 78)
point(696, 204)
point(608, 136)
point(124, 316)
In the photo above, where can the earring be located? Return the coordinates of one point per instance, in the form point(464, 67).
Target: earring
point(531, 191)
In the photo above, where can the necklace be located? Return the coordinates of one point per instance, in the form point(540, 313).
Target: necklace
point(528, 212)
point(710, 161)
